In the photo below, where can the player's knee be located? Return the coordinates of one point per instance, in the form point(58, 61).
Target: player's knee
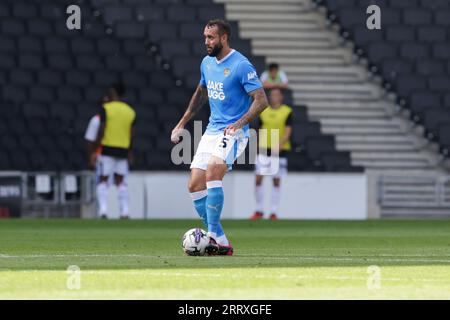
point(258, 180)
point(276, 182)
point(118, 179)
point(214, 172)
point(194, 186)
point(103, 179)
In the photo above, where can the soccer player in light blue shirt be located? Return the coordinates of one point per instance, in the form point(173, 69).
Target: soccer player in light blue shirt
point(235, 94)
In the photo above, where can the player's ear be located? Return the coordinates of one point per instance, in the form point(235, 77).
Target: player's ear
point(224, 38)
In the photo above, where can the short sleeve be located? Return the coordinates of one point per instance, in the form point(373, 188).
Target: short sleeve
point(284, 77)
point(248, 76)
point(264, 76)
point(202, 77)
point(92, 129)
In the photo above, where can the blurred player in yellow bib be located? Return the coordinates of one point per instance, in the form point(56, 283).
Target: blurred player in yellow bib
point(278, 118)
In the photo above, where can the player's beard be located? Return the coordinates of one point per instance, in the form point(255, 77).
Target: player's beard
point(216, 50)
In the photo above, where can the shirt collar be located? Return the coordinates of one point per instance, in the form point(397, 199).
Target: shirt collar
point(226, 57)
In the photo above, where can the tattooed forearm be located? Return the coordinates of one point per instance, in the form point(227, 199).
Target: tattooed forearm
point(258, 105)
point(198, 100)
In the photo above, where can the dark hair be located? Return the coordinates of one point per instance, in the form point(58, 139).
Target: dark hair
point(273, 65)
point(119, 88)
point(223, 26)
point(276, 89)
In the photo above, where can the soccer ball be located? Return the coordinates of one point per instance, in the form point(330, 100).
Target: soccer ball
point(194, 242)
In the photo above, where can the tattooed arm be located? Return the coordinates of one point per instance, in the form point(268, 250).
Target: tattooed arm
point(198, 100)
point(258, 105)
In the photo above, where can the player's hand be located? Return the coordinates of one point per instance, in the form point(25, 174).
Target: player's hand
point(176, 133)
point(92, 160)
point(232, 129)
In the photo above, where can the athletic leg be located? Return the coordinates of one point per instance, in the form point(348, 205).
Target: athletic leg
point(120, 175)
point(259, 196)
point(105, 167)
point(215, 198)
point(275, 198)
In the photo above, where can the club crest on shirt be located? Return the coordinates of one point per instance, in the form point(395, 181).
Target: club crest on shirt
point(226, 72)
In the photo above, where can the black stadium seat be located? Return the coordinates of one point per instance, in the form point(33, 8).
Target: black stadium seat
point(149, 12)
point(4, 10)
point(434, 118)
point(443, 17)
point(133, 30)
point(60, 61)
point(133, 47)
point(380, 51)
point(31, 61)
point(414, 51)
point(431, 34)
point(409, 84)
point(56, 45)
point(181, 13)
point(118, 63)
point(439, 84)
point(80, 45)
point(42, 93)
point(399, 33)
point(49, 77)
point(444, 139)
point(36, 110)
point(115, 13)
point(30, 44)
point(393, 68)
point(78, 78)
point(421, 101)
point(144, 63)
point(403, 3)
point(160, 30)
point(417, 17)
point(302, 131)
point(205, 12)
point(15, 93)
point(185, 64)
point(52, 11)
point(7, 44)
point(14, 27)
point(318, 145)
point(429, 67)
point(336, 161)
point(108, 46)
point(22, 77)
point(170, 48)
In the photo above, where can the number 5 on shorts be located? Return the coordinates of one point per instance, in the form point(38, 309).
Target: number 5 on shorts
point(224, 142)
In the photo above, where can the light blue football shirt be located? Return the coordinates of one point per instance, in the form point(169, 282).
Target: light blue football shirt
point(229, 82)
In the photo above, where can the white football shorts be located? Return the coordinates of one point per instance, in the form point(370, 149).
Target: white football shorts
point(228, 148)
point(109, 165)
point(271, 166)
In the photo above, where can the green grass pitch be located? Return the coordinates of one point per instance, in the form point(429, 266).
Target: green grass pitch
point(273, 260)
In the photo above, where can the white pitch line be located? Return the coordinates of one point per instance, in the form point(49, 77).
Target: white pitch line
point(302, 257)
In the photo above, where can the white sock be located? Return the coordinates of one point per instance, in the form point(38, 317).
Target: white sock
point(222, 240)
point(259, 195)
point(275, 199)
point(102, 195)
point(212, 235)
point(122, 195)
